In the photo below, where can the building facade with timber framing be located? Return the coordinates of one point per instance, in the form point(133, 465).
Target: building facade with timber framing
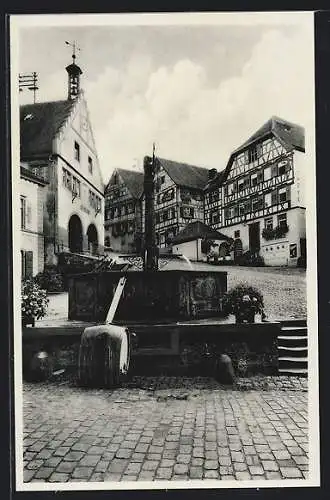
point(178, 198)
point(259, 199)
point(57, 145)
point(122, 215)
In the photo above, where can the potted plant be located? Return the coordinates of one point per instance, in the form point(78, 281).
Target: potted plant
point(50, 280)
point(34, 302)
point(244, 302)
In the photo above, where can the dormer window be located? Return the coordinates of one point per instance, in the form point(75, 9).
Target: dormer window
point(76, 151)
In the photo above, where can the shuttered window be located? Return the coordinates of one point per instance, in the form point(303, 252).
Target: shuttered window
point(274, 198)
point(23, 212)
point(26, 213)
point(27, 263)
point(274, 170)
point(186, 212)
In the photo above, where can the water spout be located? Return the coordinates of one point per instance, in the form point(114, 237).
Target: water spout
point(188, 261)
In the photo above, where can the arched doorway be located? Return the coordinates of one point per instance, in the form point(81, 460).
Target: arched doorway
point(92, 239)
point(75, 234)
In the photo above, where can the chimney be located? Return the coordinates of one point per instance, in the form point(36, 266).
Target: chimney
point(212, 173)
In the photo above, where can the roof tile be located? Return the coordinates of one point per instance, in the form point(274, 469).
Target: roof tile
point(198, 229)
point(185, 175)
point(39, 124)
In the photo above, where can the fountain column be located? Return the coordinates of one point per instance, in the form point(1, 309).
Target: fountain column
point(150, 261)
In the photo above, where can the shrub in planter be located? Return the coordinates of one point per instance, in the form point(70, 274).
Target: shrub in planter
point(34, 302)
point(250, 259)
point(244, 302)
point(50, 280)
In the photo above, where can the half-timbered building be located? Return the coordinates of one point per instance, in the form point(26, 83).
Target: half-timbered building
point(263, 205)
point(213, 199)
point(123, 217)
point(178, 198)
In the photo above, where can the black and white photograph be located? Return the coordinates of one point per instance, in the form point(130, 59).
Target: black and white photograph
point(164, 251)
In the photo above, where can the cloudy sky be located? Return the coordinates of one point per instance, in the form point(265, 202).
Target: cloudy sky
point(198, 90)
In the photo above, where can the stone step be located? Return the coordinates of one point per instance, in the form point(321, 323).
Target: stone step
point(294, 322)
point(293, 359)
point(303, 372)
point(292, 337)
point(285, 348)
point(294, 352)
point(294, 330)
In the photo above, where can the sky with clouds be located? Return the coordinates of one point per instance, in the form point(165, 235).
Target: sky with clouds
point(198, 91)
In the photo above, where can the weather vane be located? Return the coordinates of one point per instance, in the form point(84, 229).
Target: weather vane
point(74, 48)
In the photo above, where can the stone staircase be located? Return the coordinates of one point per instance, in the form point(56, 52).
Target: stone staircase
point(292, 348)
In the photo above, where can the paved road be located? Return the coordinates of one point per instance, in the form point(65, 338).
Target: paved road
point(131, 434)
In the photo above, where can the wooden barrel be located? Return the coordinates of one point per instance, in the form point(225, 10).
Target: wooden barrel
point(104, 356)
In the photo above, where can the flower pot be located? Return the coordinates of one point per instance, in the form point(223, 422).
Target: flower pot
point(28, 320)
point(245, 317)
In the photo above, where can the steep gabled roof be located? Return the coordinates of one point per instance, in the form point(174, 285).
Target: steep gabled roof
point(133, 180)
point(39, 124)
point(185, 175)
point(198, 229)
point(291, 134)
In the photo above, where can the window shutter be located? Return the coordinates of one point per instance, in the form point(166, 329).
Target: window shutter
point(274, 170)
point(260, 176)
point(181, 211)
point(287, 166)
point(274, 197)
point(22, 264)
point(28, 264)
point(28, 214)
point(288, 193)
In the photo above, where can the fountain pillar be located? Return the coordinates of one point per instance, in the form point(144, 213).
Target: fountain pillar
point(150, 258)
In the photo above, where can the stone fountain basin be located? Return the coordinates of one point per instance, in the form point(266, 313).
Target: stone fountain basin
point(148, 296)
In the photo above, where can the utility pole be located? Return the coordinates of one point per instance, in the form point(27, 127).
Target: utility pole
point(29, 80)
point(150, 262)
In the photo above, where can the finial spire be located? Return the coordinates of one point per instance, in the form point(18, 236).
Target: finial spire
point(74, 49)
point(74, 72)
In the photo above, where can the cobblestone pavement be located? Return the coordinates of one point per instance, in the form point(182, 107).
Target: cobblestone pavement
point(168, 429)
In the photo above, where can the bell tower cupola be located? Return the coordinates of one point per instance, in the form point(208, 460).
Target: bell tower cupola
point(74, 73)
